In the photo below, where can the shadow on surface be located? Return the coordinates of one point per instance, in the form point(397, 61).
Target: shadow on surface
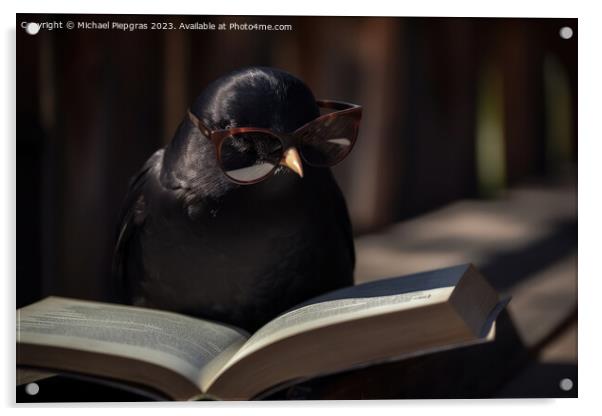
point(510, 268)
point(542, 380)
point(471, 372)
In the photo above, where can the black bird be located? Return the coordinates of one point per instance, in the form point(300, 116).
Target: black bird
point(193, 241)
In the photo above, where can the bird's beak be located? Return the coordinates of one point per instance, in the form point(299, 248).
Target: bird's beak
point(292, 160)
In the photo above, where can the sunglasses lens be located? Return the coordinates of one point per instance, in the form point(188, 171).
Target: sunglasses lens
point(248, 157)
point(328, 142)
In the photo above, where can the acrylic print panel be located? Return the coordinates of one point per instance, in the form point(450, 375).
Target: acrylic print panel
point(466, 152)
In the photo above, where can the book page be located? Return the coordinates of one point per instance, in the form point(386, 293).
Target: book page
point(180, 343)
point(379, 296)
point(428, 280)
point(330, 312)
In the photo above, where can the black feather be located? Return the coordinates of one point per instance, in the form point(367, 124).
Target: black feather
point(193, 242)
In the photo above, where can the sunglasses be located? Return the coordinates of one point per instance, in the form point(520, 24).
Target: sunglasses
point(249, 155)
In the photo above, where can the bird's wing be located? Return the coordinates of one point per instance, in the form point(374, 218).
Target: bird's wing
point(343, 220)
point(131, 218)
point(345, 223)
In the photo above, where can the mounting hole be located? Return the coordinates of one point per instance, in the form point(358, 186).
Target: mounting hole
point(32, 389)
point(565, 32)
point(32, 28)
point(566, 384)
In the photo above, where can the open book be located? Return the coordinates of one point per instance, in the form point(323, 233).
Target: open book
point(186, 358)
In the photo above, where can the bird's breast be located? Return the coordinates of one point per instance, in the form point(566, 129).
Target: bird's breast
point(246, 257)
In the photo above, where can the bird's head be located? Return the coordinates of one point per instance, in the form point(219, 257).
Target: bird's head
point(263, 98)
point(255, 122)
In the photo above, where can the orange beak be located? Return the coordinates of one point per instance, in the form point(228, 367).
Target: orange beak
point(292, 160)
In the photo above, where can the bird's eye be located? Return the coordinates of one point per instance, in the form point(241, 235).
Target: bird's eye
point(246, 157)
point(241, 142)
point(261, 145)
point(271, 149)
point(275, 153)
